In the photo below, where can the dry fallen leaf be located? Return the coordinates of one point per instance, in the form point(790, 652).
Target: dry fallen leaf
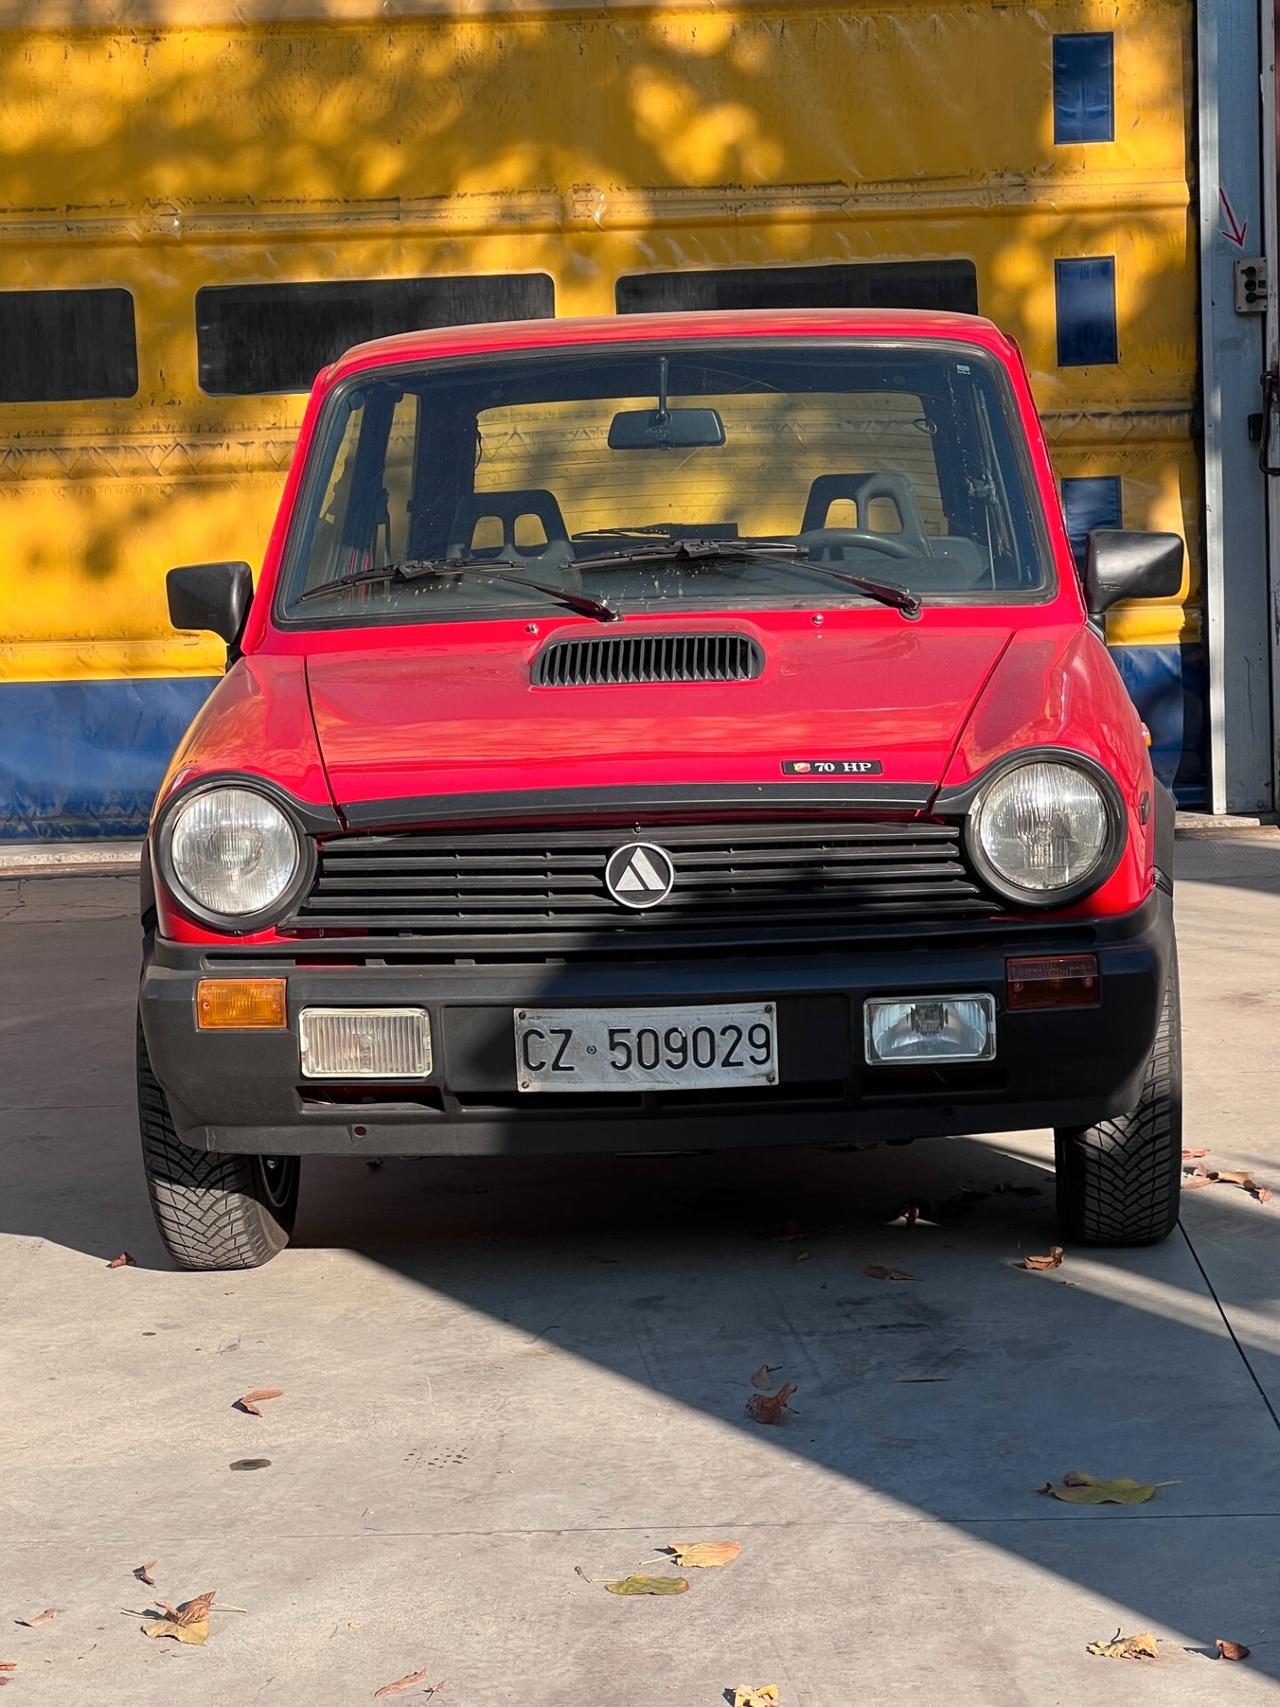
point(143, 1573)
point(191, 1611)
point(1193, 1155)
point(399, 1687)
point(704, 1554)
point(649, 1585)
point(768, 1407)
point(124, 1260)
point(1199, 1176)
point(45, 1617)
point(873, 1271)
point(1039, 1264)
point(766, 1696)
point(949, 1209)
point(802, 1256)
point(1245, 1181)
point(249, 1402)
point(763, 1377)
point(1232, 1650)
point(1077, 1487)
point(1140, 1647)
point(186, 1623)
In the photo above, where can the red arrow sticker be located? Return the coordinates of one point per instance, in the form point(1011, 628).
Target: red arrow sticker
point(1238, 229)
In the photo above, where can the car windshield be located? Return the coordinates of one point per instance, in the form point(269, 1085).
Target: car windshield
point(671, 477)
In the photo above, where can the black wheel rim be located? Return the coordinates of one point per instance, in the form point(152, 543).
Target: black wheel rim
point(278, 1175)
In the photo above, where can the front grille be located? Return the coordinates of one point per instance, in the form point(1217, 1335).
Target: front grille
point(775, 880)
point(633, 658)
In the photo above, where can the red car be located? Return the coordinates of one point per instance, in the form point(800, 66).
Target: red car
point(656, 733)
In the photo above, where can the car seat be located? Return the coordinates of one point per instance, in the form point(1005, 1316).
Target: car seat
point(508, 509)
point(946, 563)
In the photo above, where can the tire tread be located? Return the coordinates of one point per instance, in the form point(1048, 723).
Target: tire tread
point(1119, 1180)
point(208, 1206)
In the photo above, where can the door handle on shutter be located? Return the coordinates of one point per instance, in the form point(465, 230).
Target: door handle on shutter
point(1270, 386)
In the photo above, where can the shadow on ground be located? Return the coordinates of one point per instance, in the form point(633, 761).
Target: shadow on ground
point(557, 1354)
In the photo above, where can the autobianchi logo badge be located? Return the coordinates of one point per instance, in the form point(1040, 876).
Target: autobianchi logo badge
point(639, 874)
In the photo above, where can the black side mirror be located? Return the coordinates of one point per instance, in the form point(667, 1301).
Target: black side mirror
point(1123, 565)
point(212, 596)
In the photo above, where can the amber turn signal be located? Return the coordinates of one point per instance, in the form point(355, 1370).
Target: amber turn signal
point(240, 1004)
point(1056, 981)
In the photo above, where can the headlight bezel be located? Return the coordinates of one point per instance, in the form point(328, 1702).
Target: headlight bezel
point(234, 924)
point(1117, 835)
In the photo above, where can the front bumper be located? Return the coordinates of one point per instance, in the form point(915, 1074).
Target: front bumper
point(242, 1091)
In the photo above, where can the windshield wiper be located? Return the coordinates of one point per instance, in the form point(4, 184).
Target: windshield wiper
point(506, 572)
point(649, 531)
point(884, 592)
point(745, 551)
point(690, 551)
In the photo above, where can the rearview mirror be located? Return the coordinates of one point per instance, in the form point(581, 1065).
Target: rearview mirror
point(211, 596)
point(1123, 565)
point(665, 429)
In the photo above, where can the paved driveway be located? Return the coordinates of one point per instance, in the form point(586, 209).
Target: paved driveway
point(505, 1384)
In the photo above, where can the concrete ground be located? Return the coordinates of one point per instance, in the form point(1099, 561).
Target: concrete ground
point(495, 1374)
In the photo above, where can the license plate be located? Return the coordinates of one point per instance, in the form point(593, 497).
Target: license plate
point(630, 1049)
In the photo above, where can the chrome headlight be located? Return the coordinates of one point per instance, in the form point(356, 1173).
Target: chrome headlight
point(1045, 831)
point(232, 853)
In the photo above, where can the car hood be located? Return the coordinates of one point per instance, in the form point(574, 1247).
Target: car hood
point(459, 715)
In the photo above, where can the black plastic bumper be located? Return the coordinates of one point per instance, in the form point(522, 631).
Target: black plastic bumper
point(243, 1090)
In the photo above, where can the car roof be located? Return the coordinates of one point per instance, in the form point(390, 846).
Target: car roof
point(905, 323)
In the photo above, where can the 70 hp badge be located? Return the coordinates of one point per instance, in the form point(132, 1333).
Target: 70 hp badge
point(831, 767)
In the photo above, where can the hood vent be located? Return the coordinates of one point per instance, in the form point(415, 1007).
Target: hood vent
point(627, 659)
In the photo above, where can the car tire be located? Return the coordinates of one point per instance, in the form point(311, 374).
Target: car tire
point(213, 1210)
point(1119, 1180)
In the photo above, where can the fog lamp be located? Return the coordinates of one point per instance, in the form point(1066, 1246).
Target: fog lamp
point(365, 1043)
point(908, 1030)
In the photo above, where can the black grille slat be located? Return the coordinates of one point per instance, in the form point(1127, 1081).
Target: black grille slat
point(817, 856)
point(692, 882)
point(496, 843)
point(633, 659)
point(687, 902)
point(474, 890)
point(587, 926)
point(488, 884)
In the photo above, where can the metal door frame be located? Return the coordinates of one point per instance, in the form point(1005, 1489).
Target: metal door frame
point(1239, 546)
point(1268, 36)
